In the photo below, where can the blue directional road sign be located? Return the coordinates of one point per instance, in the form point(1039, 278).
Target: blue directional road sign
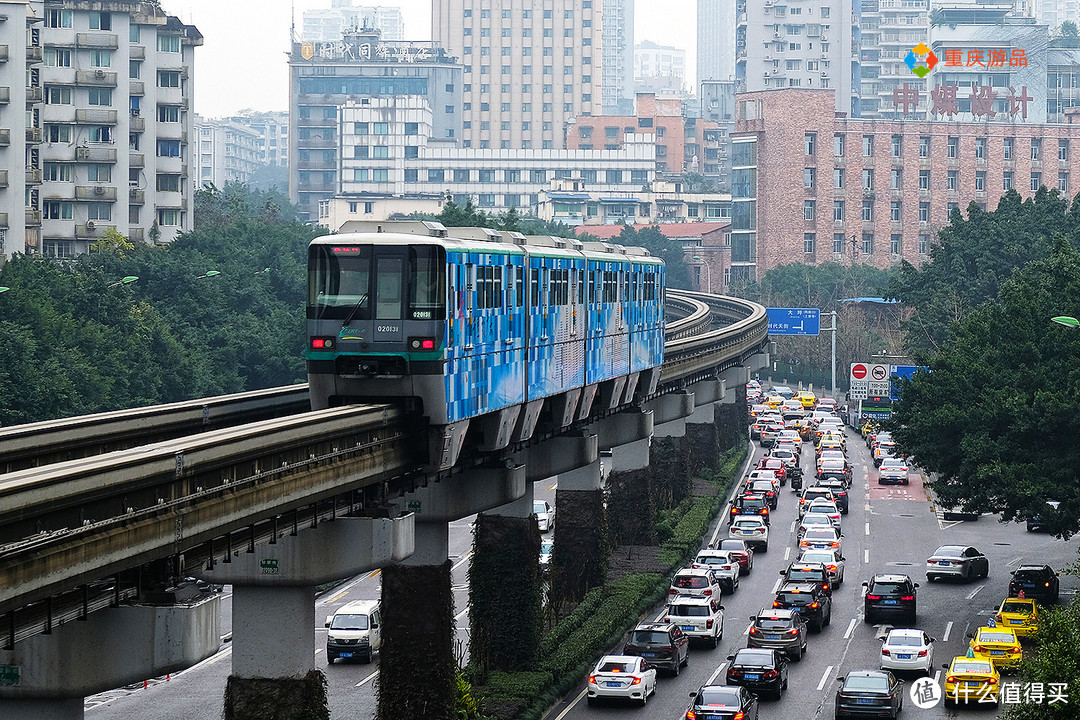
point(794, 321)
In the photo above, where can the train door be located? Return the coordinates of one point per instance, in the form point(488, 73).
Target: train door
point(470, 306)
point(389, 298)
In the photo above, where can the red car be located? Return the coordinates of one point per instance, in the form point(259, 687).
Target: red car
point(776, 465)
point(741, 552)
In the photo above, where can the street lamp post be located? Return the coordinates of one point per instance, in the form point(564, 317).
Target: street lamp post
point(708, 272)
point(4, 289)
point(124, 281)
point(208, 274)
point(1066, 320)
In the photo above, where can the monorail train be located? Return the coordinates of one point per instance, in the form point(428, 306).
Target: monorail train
point(478, 328)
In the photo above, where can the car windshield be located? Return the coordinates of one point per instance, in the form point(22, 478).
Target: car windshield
point(816, 533)
point(822, 506)
point(689, 610)
point(864, 683)
point(650, 637)
point(762, 486)
point(887, 588)
point(825, 558)
point(689, 582)
point(771, 623)
point(816, 519)
point(752, 503)
point(949, 551)
point(892, 463)
point(812, 494)
point(615, 666)
point(732, 545)
point(539, 507)
point(969, 666)
point(747, 524)
point(1024, 608)
point(753, 657)
point(342, 621)
point(904, 640)
point(1028, 575)
point(719, 696)
point(790, 597)
point(545, 547)
point(996, 637)
point(804, 574)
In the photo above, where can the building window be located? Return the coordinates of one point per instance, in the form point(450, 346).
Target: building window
point(99, 96)
point(100, 133)
point(809, 242)
point(57, 95)
point(924, 179)
point(58, 172)
point(613, 177)
point(361, 152)
point(1063, 149)
point(924, 212)
point(924, 244)
point(380, 175)
point(838, 178)
point(380, 152)
point(57, 57)
point(168, 78)
point(58, 18)
point(980, 148)
point(867, 243)
point(896, 244)
point(897, 145)
point(980, 181)
point(895, 211)
point(838, 243)
point(1007, 181)
point(412, 128)
point(952, 147)
point(59, 133)
point(1036, 148)
point(380, 128)
point(896, 179)
point(868, 179)
point(100, 20)
point(168, 217)
point(537, 177)
point(1063, 182)
point(838, 211)
point(924, 146)
point(487, 176)
point(951, 179)
point(1036, 181)
point(100, 59)
point(412, 152)
point(1007, 148)
point(436, 176)
point(168, 113)
point(838, 143)
point(168, 148)
point(57, 210)
point(868, 145)
point(810, 143)
point(949, 210)
point(102, 173)
point(99, 211)
point(168, 43)
point(868, 210)
point(809, 209)
point(809, 177)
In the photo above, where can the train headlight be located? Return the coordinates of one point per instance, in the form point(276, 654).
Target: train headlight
point(322, 343)
point(422, 343)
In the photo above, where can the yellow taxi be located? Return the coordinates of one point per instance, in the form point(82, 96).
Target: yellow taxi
point(971, 680)
point(805, 428)
point(807, 398)
point(831, 441)
point(999, 645)
point(1019, 615)
point(774, 401)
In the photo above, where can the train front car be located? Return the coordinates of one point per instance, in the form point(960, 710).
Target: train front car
point(376, 319)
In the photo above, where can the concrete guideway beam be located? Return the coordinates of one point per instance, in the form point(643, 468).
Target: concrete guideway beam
point(623, 428)
point(336, 549)
point(670, 413)
point(115, 647)
point(707, 392)
point(559, 455)
point(463, 494)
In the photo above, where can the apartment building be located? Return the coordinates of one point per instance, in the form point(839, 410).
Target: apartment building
point(810, 186)
point(800, 44)
point(570, 201)
point(715, 40)
point(96, 126)
point(617, 78)
point(527, 70)
point(1054, 12)
point(890, 29)
point(659, 68)
point(330, 24)
point(324, 75)
point(227, 152)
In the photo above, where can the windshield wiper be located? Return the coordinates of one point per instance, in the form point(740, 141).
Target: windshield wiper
point(356, 309)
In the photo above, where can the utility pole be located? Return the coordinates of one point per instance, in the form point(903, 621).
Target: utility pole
point(832, 367)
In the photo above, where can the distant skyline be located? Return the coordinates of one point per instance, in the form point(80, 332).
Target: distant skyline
point(242, 62)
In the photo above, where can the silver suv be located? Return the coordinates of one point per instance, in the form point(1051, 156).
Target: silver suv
point(783, 630)
point(698, 617)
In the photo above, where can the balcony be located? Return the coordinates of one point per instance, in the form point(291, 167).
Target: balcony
point(3, 220)
point(136, 196)
point(136, 234)
point(3, 178)
point(33, 54)
point(5, 137)
point(135, 87)
point(95, 192)
point(137, 124)
point(95, 154)
point(171, 131)
point(317, 122)
point(106, 41)
point(99, 78)
point(136, 160)
point(5, 95)
point(34, 135)
point(33, 218)
point(95, 116)
point(3, 53)
point(92, 230)
point(33, 176)
point(34, 94)
point(137, 52)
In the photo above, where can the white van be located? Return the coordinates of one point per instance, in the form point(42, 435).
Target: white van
point(355, 631)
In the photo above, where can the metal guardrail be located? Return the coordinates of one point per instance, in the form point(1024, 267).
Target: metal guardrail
point(689, 359)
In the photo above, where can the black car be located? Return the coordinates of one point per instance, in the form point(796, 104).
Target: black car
point(1038, 582)
point(749, 504)
point(839, 490)
point(758, 668)
point(809, 600)
point(1043, 522)
point(808, 572)
point(869, 693)
point(664, 645)
point(723, 702)
point(889, 595)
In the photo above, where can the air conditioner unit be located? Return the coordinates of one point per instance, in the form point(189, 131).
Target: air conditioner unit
point(82, 153)
point(768, 57)
point(824, 73)
point(89, 224)
point(100, 74)
point(99, 190)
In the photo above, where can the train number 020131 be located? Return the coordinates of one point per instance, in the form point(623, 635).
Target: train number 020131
point(388, 328)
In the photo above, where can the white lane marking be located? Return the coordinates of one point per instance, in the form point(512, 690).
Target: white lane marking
point(461, 614)
point(945, 637)
point(867, 527)
point(747, 630)
point(318, 650)
point(660, 616)
point(208, 661)
point(716, 533)
point(825, 677)
point(792, 526)
point(787, 553)
point(337, 597)
point(776, 586)
point(367, 679)
point(866, 556)
point(570, 707)
point(973, 593)
point(850, 628)
point(719, 669)
point(937, 678)
point(553, 485)
point(464, 557)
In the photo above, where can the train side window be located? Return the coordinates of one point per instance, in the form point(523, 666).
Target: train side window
point(388, 272)
point(534, 293)
point(581, 287)
point(427, 282)
point(519, 278)
point(497, 286)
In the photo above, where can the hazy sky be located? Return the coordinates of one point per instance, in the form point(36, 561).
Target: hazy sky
point(242, 61)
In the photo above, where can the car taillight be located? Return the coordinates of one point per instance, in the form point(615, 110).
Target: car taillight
point(885, 651)
point(950, 678)
point(908, 597)
point(978, 648)
point(592, 679)
point(732, 672)
point(322, 343)
point(691, 715)
point(999, 618)
point(708, 624)
point(804, 543)
point(835, 544)
point(812, 605)
point(755, 631)
point(770, 674)
point(922, 653)
point(673, 591)
point(832, 568)
point(761, 530)
point(873, 597)
point(792, 632)
point(738, 716)
point(776, 603)
point(667, 619)
point(1016, 648)
point(1046, 584)
point(991, 681)
point(636, 681)
point(708, 591)
point(825, 586)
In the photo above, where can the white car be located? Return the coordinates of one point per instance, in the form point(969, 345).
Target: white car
point(698, 617)
point(831, 454)
point(907, 649)
point(810, 520)
point(724, 568)
point(751, 529)
point(821, 506)
point(821, 538)
point(624, 677)
point(893, 470)
point(545, 555)
point(545, 515)
point(832, 560)
point(698, 582)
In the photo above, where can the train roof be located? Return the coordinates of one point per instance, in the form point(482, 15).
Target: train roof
point(394, 232)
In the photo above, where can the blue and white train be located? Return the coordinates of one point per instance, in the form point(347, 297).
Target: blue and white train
point(480, 331)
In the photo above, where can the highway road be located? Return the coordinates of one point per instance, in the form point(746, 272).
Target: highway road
point(889, 529)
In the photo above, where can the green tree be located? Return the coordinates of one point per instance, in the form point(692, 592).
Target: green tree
point(670, 251)
point(1056, 659)
point(996, 417)
point(112, 241)
point(1068, 36)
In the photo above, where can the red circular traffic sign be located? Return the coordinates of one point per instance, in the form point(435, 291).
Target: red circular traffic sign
point(858, 371)
point(880, 372)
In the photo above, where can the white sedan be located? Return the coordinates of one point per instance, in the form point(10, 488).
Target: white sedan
point(751, 529)
point(832, 560)
point(894, 471)
point(625, 677)
point(545, 515)
point(907, 649)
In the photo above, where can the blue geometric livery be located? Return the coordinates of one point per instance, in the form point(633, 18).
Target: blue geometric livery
point(480, 331)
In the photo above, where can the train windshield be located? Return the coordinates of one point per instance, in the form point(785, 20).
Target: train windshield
point(348, 281)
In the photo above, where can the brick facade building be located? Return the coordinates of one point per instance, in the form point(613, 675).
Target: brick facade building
point(810, 185)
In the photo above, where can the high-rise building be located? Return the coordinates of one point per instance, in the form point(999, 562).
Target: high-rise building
point(95, 124)
point(227, 152)
point(1054, 12)
point(889, 31)
point(273, 130)
point(323, 76)
point(329, 25)
point(527, 71)
point(788, 43)
point(659, 68)
point(618, 57)
point(715, 40)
